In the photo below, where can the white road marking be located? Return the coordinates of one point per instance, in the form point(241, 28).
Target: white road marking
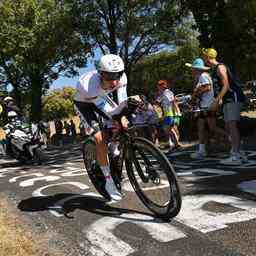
point(193, 215)
point(31, 182)
point(128, 187)
point(248, 186)
point(36, 174)
point(38, 192)
point(105, 243)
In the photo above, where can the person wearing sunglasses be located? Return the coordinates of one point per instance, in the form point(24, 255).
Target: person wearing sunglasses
point(93, 101)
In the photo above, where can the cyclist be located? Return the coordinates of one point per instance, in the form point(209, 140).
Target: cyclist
point(8, 105)
point(93, 102)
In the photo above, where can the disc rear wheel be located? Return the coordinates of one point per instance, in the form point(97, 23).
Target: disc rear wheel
point(93, 169)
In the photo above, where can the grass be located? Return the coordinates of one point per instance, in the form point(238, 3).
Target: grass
point(15, 240)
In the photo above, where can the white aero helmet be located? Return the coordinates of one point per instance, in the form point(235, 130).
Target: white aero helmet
point(111, 63)
point(8, 98)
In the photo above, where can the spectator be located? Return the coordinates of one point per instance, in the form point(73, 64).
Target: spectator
point(166, 100)
point(58, 130)
point(67, 128)
point(72, 128)
point(58, 126)
point(203, 91)
point(230, 95)
point(146, 114)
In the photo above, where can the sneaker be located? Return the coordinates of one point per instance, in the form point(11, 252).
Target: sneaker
point(112, 190)
point(232, 160)
point(198, 155)
point(243, 157)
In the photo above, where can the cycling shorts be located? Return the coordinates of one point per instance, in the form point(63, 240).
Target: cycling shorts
point(91, 114)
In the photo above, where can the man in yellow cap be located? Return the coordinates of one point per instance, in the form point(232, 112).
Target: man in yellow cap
point(231, 97)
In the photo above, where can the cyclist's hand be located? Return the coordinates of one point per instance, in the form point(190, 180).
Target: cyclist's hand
point(134, 102)
point(124, 122)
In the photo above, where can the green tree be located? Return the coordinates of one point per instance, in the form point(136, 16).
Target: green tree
point(59, 104)
point(38, 42)
point(165, 65)
point(132, 29)
point(229, 26)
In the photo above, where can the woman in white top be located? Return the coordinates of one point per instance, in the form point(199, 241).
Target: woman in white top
point(203, 91)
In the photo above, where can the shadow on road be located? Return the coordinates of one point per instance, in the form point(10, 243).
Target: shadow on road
point(65, 203)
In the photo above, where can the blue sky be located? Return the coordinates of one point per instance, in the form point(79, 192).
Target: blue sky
point(65, 81)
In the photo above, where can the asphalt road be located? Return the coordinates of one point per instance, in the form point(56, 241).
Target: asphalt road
point(218, 215)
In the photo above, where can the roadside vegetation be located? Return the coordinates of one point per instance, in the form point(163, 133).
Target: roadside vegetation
point(16, 240)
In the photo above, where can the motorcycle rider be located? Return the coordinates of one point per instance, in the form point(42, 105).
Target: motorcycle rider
point(8, 105)
point(93, 101)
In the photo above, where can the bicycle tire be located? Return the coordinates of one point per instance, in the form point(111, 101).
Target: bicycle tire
point(94, 172)
point(172, 208)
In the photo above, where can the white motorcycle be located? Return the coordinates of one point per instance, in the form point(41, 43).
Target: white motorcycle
point(23, 141)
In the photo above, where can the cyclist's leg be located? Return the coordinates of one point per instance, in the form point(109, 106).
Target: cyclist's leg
point(87, 110)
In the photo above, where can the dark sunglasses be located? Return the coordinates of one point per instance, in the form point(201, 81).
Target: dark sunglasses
point(110, 76)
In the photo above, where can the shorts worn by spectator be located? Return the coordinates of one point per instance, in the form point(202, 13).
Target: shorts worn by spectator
point(166, 100)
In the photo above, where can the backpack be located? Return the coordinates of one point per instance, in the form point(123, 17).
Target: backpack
point(235, 85)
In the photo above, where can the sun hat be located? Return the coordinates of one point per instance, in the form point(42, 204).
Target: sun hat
point(198, 63)
point(210, 52)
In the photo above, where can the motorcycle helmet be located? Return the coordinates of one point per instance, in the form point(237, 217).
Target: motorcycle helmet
point(12, 114)
point(8, 99)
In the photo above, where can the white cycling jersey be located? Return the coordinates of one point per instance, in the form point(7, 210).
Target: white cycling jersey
point(89, 90)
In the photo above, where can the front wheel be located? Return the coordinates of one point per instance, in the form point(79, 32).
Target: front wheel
point(153, 178)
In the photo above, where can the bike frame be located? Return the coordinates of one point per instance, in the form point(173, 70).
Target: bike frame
point(125, 139)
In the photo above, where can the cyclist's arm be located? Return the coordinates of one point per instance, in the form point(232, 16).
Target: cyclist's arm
point(122, 90)
point(122, 94)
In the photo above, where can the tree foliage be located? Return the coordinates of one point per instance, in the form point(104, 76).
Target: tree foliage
point(59, 104)
point(38, 41)
point(132, 29)
point(230, 27)
point(165, 65)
